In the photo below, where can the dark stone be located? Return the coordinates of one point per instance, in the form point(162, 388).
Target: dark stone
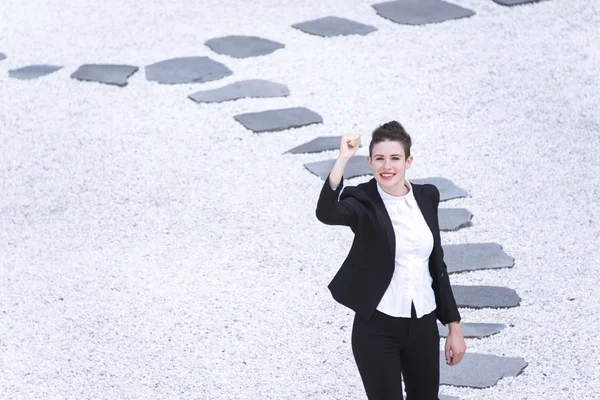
point(479, 370)
point(243, 46)
point(485, 297)
point(33, 71)
point(475, 256)
point(186, 70)
point(448, 190)
point(110, 74)
point(420, 12)
point(357, 166)
point(452, 219)
point(321, 143)
point(514, 2)
point(278, 120)
point(334, 26)
point(474, 330)
point(2, 56)
point(240, 90)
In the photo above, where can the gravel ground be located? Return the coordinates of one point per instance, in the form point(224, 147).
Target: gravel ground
point(152, 248)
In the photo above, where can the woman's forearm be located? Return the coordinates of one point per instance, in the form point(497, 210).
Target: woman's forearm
point(337, 172)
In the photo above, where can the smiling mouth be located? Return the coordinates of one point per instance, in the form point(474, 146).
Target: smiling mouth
point(387, 176)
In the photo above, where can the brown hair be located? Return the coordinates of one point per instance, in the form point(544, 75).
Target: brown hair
point(392, 130)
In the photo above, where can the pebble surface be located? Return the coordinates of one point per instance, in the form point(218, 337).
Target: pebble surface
point(154, 248)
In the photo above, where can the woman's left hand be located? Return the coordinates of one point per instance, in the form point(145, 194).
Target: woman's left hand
point(455, 344)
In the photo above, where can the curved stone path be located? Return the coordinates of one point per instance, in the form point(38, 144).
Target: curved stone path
point(243, 46)
point(253, 88)
point(334, 26)
point(112, 74)
point(33, 71)
point(476, 370)
point(420, 12)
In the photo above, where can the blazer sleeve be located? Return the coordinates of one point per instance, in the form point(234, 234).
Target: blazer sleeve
point(332, 211)
point(450, 309)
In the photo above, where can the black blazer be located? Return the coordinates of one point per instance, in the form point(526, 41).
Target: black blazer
point(367, 271)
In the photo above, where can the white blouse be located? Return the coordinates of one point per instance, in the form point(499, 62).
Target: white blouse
point(411, 282)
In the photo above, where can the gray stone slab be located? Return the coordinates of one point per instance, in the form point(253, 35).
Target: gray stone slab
point(448, 190)
point(334, 26)
point(420, 12)
point(2, 56)
point(357, 166)
point(485, 297)
point(111, 74)
point(479, 370)
point(243, 46)
point(319, 144)
point(474, 330)
point(240, 90)
point(453, 219)
point(514, 2)
point(476, 256)
point(186, 70)
point(33, 71)
point(278, 120)
point(442, 397)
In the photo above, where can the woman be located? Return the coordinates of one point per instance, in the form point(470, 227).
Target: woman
point(394, 276)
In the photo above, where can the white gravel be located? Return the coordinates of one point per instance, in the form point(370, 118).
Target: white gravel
point(152, 248)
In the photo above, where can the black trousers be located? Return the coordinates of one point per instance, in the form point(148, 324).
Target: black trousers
point(389, 346)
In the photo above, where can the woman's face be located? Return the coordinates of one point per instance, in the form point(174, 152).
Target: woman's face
point(389, 164)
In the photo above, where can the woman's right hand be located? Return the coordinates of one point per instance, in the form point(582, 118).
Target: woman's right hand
point(349, 145)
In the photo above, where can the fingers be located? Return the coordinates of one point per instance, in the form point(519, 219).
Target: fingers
point(455, 347)
point(453, 357)
point(448, 357)
point(350, 144)
point(351, 140)
point(456, 358)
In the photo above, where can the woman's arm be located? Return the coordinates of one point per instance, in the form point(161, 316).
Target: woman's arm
point(455, 347)
point(336, 176)
point(330, 211)
point(450, 309)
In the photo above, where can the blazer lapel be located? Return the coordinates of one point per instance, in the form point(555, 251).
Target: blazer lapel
point(425, 206)
point(383, 215)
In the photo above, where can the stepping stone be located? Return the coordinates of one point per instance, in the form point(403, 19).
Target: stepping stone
point(442, 397)
point(2, 56)
point(334, 26)
point(243, 46)
point(448, 190)
point(485, 297)
point(110, 74)
point(452, 219)
point(474, 330)
point(321, 143)
point(476, 256)
point(33, 71)
point(186, 70)
point(278, 120)
point(514, 2)
point(479, 370)
point(420, 12)
point(240, 90)
point(357, 166)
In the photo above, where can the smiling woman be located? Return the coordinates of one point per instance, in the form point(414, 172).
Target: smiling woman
point(394, 276)
point(389, 157)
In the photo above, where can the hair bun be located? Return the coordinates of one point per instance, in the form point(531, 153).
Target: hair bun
point(392, 125)
point(392, 130)
point(389, 128)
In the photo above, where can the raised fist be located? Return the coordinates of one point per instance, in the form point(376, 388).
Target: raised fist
point(349, 145)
